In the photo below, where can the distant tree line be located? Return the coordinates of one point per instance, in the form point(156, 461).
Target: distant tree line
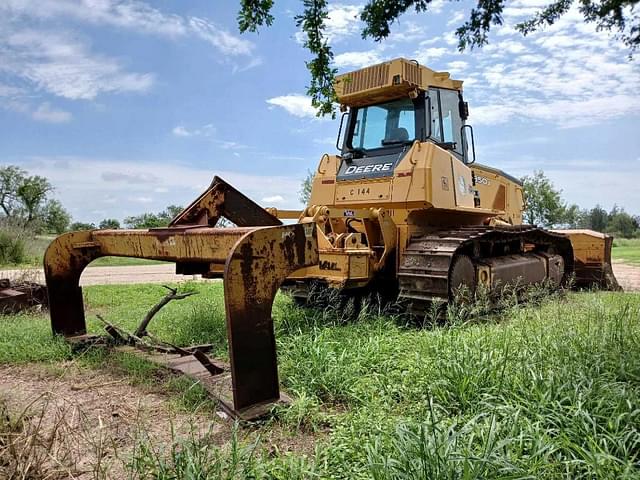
point(143, 220)
point(545, 207)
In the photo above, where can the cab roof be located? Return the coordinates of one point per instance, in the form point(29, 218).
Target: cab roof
point(389, 80)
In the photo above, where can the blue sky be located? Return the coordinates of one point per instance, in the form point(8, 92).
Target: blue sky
point(130, 106)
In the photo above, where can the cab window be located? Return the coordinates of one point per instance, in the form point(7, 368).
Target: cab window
point(390, 123)
point(445, 118)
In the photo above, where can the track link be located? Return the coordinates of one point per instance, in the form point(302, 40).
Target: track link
point(425, 268)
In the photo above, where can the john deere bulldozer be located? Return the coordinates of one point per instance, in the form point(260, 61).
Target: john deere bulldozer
point(404, 210)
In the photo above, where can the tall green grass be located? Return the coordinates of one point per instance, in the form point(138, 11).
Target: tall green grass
point(196, 457)
point(13, 247)
point(627, 250)
point(548, 390)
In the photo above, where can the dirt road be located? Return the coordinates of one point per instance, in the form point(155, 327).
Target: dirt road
point(163, 273)
point(628, 275)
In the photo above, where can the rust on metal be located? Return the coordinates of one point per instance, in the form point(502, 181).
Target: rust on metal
point(253, 262)
point(222, 200)
point(592, 251)
point(18, 296)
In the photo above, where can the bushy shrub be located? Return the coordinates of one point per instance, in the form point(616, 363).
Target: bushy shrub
point(12, 246)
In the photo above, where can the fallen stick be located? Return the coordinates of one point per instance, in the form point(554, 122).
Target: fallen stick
point(94, 385)
point(173, 294)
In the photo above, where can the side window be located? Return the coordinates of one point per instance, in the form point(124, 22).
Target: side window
point(436, 130)
point(445, 117)
point(450, 118)
point(447, 126)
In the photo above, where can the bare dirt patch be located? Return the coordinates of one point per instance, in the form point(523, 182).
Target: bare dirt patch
point(628, 276)
point(86, 424)
point(65, 421)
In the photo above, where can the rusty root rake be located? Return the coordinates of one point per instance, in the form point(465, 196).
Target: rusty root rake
point(253, 259)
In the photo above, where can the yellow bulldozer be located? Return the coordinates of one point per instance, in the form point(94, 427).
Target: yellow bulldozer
point(404, 210)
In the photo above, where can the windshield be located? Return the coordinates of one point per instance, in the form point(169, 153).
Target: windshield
point(390, 123)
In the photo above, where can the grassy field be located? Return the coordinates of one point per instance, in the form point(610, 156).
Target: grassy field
point(541, 391)
point(122, 262)
point(627, 250)
point(36, 246)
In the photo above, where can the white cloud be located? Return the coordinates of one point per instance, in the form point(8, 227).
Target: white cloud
point(569, 75)
point(229, 145)
point(357, 59)
point(505, 47)
point(425, 56)
point(450, 39)
point(406, 32)
point(224, 41)
point(295, 104)
point(273, 199)
point(157, 185)
point(436, 6)
point(180, 131)
point(62, 63)
point(252, 63)
point(126, 176)
point(430, 41)
point(529, 3)
point(457, 66)
point(45, 113)
point(124, 14)
point(9, 90)
point(343, 21)
point(493, 114)
point(64, 66)
point(519, 12)
point(130, 14)
point(139, 199)
point(207, 130)
point(456, 19)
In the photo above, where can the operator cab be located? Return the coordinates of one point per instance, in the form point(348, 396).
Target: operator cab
point(378, 136)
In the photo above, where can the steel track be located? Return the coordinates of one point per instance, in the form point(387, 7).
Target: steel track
point(425, 268)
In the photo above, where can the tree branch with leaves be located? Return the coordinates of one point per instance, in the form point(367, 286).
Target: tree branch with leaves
point(379, 15)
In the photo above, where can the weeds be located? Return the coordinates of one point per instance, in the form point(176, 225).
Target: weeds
point(194, 456)
point(27, 337)
point(13, 248)
point(545, 388)
point(33, 443)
